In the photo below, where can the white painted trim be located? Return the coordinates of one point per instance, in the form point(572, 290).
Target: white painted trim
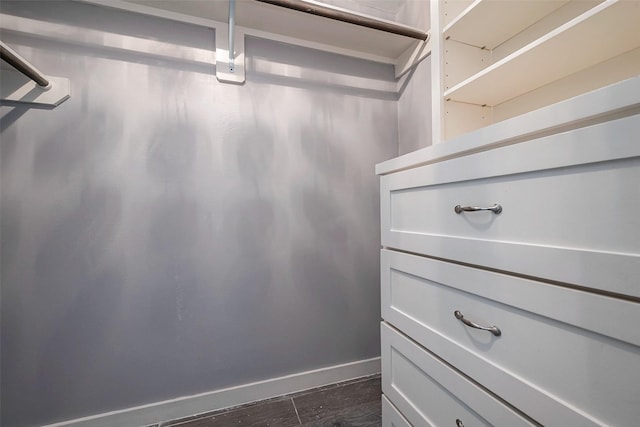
point(186, 406)
point(437, 74)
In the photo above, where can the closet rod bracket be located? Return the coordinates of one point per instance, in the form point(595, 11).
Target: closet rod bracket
point(230, 50)
point(17, 90)
point(28, 86)
point(232, 19)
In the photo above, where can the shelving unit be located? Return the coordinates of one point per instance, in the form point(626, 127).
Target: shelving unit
point(487, 266)
point(603, 32)
point(470, 26)
point(501, 59)
point(263, 19)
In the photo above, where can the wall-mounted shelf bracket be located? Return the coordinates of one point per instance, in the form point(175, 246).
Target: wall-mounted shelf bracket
point(17, 89)
point(411, 57)
point(230, 50)
point(29, 86)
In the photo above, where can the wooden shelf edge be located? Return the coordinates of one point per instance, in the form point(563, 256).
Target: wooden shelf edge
point(479, 89)
point(465, 13)
point(264, 19)
point(517, 15)
point(618, 97)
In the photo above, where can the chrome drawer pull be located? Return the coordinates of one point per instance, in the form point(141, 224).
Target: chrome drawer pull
point(493, 329)
point(496, 209)
point(459, 423)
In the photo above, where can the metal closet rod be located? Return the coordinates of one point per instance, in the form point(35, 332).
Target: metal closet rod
point(351, 18)
point(19, 63)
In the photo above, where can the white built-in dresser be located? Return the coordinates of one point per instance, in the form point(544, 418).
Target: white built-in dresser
point(510, 261)
point(510, 271)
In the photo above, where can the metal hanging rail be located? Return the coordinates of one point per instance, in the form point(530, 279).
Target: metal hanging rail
point(351, 18)
point(19, 63)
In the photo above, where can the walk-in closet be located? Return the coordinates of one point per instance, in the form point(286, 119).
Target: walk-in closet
point(319, 213)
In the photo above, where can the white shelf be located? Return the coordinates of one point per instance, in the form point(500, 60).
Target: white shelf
point(591, 107)
point(374, 44)
point(606, 31)
point(488, 23)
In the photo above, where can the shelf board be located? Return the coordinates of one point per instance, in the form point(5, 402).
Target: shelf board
point(591, 107)
point(606, 31)
point(291, 23)
point(489, 23)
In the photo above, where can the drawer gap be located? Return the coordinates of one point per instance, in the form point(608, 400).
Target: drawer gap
point(601, 292)
point(465, 376)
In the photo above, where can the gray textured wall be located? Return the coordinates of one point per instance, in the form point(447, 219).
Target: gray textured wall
point(414, 105)
point(414, 109)
point(164, 234)
point(415, 13)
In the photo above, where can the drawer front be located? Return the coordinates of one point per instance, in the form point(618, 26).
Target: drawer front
point(563, 356)
point(429, 393)
point(565, 216)
point(391, 417)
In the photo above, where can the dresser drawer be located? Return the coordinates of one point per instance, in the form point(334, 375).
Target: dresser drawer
point(569, 203)
point(429, 393)
point(391, 417)
point(563, 356)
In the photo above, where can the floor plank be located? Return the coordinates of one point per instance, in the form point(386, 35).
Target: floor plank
point(354, 403)
point(365, 415)
point(275, 412)
point(337, 401)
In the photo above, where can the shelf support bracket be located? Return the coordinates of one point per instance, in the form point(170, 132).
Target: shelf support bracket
point(17, 90)
point(29, 86)
point(230, 50)
point(411, 57)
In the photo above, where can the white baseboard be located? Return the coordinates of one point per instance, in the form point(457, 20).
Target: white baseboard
point(219, 399)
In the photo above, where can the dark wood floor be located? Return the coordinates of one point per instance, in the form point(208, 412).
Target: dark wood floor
point(350, 404)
